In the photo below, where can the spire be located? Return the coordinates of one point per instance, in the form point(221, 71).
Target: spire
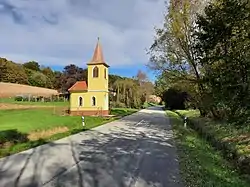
point(98, 55)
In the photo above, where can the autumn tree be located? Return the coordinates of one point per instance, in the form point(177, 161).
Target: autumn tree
point(70, 75)
point(12, 72)
point(173, 52)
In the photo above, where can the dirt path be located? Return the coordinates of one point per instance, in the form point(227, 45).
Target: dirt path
point(6, 106)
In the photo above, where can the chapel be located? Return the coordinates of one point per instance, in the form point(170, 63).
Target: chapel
point(92, 97)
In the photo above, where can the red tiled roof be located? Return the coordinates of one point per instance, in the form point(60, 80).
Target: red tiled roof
point(79, 86)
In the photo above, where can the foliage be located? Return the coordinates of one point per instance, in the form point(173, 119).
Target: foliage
point(32, 65)
point(173, 52)
point(204, 49)
point(12, 72)
point(224, 46)
point(200, 164)
point(131, 92)
point(12, 136)
point(175, 99)
point(18, 98)
point(70, 75)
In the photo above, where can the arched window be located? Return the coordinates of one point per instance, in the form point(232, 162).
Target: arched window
point(93, 101)
point(80, 101)
point(105, 73)
point(95, 71)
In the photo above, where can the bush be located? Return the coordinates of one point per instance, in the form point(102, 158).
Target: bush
point(25, 98)
point(12, 136)
point(19, 98)
point(145, 105)
point(60, 99)
point(47, 99)
point(119, 105)
point(33, 99)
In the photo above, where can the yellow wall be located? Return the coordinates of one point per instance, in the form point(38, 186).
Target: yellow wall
point(99, 83)
point(101, 101)
point(97, 87)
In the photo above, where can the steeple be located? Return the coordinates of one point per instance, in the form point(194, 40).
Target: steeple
point(98, 55)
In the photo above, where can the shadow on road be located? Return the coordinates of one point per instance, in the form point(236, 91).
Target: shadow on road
point(140, 152)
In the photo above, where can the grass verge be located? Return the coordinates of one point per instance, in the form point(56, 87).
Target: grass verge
point(24, 129)
point(232, 140)
point(201, 164)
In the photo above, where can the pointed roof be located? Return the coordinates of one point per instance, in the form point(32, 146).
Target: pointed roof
point(79, 86)
point(98, 55)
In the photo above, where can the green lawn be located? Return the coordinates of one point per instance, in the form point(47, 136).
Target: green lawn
point(200, 164)
point(12, 101)
point(17, 125)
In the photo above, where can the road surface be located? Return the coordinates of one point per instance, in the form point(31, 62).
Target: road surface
point(136, 151)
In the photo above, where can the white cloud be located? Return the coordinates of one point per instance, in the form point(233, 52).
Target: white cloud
point(59, 32)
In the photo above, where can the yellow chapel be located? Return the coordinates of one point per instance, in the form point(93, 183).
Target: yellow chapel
point(92, 97)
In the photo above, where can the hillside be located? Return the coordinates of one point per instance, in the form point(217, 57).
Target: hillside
point(12, 89)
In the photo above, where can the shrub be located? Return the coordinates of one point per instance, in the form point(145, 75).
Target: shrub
point(60, 99)
point(145, 105)
point(119, 105)
point(55, 98)
point(18, 98)
point(12, 136)
point(47, 99)
point(33, 99)
point(25, 98)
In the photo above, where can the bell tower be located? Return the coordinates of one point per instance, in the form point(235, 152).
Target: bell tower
point(98, 88)
point(98, 71)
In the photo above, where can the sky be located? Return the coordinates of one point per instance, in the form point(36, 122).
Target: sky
point(56, 33)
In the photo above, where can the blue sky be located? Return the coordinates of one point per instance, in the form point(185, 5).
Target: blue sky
point(60, 32)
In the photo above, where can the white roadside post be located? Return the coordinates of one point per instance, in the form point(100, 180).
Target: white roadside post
point(185, 121)
point(83, 121)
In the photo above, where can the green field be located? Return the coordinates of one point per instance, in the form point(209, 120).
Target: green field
point(17, 126)
point(28, 120)
point(201, 164)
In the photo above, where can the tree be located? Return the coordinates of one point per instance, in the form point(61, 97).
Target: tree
point(32, 65)
point(12, 72)
point(224, 48)
point(146, 88)
point(161, 85)
point(175, 99)
point(173, 52)
point(3, 68)
point(71, 74)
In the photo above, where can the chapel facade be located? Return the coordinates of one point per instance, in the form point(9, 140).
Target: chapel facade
point(92, 97)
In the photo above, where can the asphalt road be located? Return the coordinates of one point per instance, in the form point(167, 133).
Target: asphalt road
point(136, 151)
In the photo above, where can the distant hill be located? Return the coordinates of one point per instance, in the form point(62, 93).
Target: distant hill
point(11, 90)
